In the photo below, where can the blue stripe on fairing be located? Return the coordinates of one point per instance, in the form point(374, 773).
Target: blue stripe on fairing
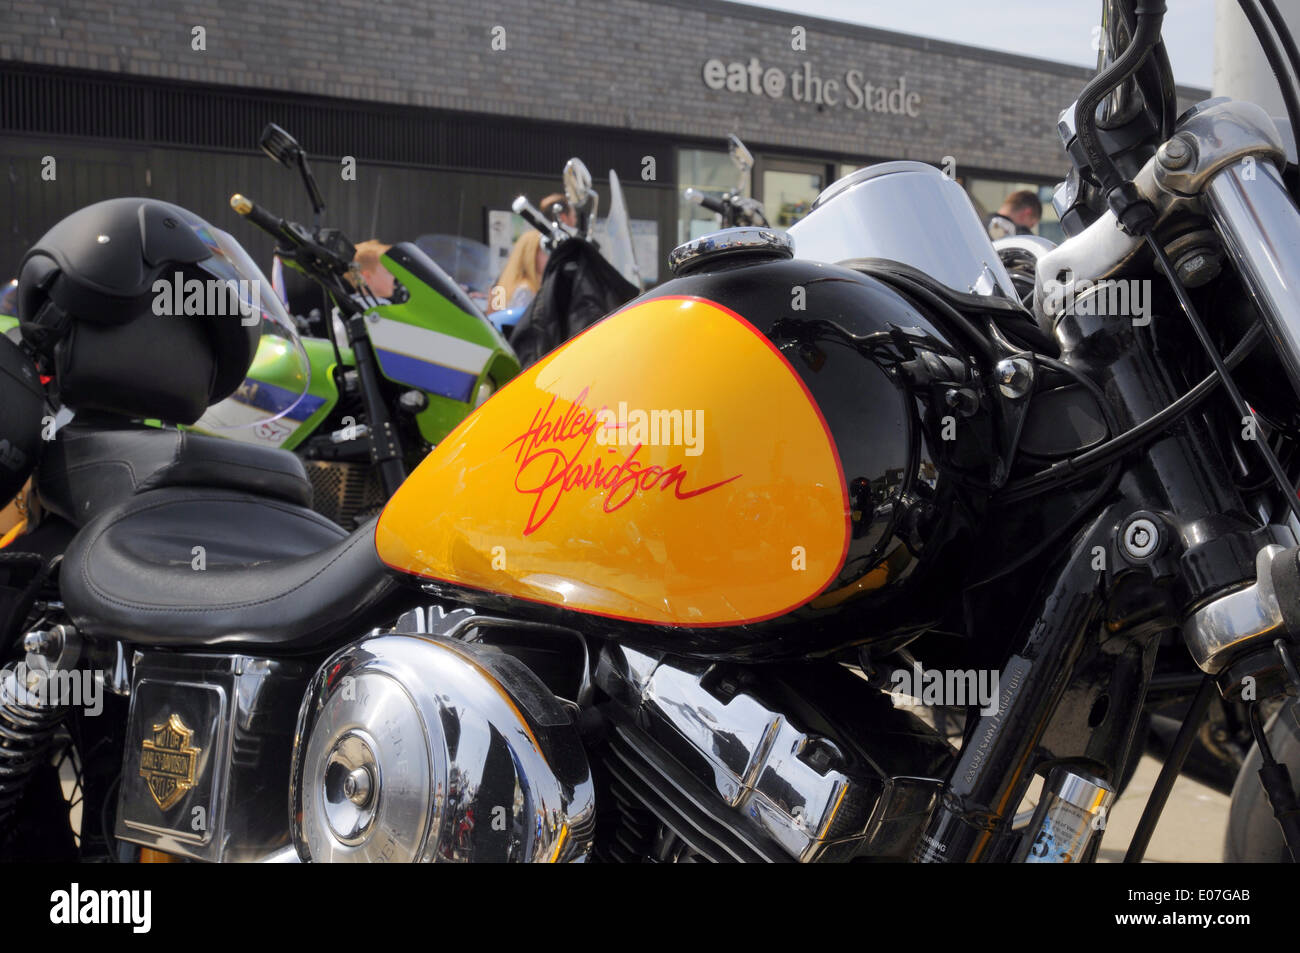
point(433, 378)
point(275, 400)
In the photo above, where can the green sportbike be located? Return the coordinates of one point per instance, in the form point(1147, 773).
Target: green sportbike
point(362, 395)
point(383, 381)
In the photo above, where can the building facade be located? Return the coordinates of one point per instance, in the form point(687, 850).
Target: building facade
point(429, 117)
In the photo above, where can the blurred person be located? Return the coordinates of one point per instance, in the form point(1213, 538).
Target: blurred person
point(1020, 212)
point(522, 275)
point(378, 279)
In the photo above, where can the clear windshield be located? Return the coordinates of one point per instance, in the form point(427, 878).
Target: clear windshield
point(274, 400)
point(468, 262)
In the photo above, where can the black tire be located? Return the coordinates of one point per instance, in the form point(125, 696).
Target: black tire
point(1254, 836)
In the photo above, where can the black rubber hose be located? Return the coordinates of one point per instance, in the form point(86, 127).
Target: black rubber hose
point(1099, 457)
point(1285, 38)
point(1285, 81)
point(1150, 16)
point(975, 338)
point(1086, 508)
point(1276, 781)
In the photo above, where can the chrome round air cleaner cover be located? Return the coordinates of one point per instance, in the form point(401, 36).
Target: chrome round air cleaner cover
point(418, 748)
point(747, 240)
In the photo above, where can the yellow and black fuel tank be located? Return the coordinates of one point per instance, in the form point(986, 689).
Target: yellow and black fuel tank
point(731, 465)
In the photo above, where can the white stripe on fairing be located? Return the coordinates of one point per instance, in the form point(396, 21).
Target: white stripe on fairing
point(426, 345)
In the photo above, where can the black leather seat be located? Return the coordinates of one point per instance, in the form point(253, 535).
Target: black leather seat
point(270, 573)
point(91, 465)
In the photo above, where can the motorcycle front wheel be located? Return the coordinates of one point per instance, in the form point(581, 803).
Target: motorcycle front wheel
point(1254, 836)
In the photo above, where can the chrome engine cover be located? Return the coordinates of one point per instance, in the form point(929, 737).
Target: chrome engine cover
point(782, 790)
point(419, 748)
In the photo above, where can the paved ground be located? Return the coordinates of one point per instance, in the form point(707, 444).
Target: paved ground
point(1191, 827)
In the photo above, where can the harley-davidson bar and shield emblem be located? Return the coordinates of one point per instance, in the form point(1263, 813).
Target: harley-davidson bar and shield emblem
point(168, 761)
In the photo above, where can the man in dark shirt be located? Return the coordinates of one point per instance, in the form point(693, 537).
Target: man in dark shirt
point(1019, 213)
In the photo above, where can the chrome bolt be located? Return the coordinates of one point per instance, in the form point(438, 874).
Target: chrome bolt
point(38, 642)
point(356, 787)
point(1015, 376)
point(962, 400)
point(1175, 153)
point(1141, 538)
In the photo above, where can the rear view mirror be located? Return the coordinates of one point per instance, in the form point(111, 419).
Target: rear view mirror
point(577, 182)
point(284, 149)
point(280, 146)
point(740, 155)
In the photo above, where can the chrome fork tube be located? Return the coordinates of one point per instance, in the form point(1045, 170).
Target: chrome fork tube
point(1260, 227)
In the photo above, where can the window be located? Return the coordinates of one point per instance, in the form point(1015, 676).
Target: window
point(709, 171)
point(788, 196)
point(989, 194)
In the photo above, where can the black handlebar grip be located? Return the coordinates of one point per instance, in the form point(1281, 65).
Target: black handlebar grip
point(712, 204)
point(524, 209)
point(258, 215)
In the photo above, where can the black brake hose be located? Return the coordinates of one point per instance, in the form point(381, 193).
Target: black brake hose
point(1158, 76)
point(1083, 509)
point(975, 338)
point(1088, 384)
point(1285, 81)
point(1278, 790)
point(1150, 16)
point(1098, 457)
point(1284, 37)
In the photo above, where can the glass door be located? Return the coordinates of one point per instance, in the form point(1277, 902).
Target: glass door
point(788, 188)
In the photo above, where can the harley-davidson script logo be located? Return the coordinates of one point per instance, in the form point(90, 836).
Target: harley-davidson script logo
point(554, 460)
point(168, 761)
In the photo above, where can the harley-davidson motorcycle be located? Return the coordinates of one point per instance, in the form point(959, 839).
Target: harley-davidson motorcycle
point(691, 586)
point(579, 284)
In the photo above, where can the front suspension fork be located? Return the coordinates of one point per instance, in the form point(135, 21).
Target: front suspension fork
point(1094, 628)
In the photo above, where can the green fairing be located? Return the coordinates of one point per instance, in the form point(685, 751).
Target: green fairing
point(275, 363)
point(426, 308)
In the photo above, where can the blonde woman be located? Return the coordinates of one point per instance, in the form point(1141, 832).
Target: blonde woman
point(378, 278)
point(522, 275)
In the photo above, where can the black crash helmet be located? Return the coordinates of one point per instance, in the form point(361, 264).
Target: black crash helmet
point(108, 298)
point(22, 407)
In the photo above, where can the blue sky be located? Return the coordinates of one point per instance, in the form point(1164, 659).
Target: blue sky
point(1051, 29)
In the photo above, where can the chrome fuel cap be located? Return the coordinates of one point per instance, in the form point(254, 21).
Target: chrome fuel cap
point(746, 240)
